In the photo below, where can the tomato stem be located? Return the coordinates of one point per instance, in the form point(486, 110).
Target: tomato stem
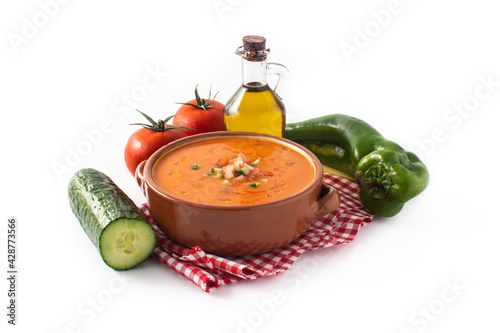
point(201, 103)
point(160, 125)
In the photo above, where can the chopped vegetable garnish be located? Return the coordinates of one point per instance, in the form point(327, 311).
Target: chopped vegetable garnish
point(237, 169)
point(217, 170)
point(243, 171)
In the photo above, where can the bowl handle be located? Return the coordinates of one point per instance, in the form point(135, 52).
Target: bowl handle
point(140, 177)
point(328, 201)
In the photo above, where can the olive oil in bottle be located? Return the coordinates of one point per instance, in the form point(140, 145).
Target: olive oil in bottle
point(255, 107)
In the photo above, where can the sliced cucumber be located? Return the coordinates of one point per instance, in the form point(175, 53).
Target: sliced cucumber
point(243, 171)
point(125, 243)
point(216, 170)
point(111, 220)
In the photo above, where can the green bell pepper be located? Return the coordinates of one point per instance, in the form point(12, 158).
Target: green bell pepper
point(387, 175)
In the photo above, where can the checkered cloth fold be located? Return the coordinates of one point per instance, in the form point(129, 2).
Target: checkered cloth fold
point(211, 271)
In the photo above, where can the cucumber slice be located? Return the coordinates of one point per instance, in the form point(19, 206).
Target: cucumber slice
point(125, 243)
point(111, 220)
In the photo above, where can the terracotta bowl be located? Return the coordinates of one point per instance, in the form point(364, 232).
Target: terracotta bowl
point(240, 229)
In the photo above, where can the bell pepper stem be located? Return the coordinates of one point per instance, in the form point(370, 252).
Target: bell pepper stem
point(364, 184)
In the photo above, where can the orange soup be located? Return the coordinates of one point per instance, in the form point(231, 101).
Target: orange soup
point(233, 171)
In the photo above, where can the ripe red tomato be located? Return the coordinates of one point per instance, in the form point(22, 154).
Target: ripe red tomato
point(145, 141)
point(202, 115)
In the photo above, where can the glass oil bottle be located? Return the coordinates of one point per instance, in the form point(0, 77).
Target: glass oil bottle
point(255, 107)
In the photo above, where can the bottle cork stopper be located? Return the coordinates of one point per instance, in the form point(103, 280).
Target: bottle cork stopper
point(254, 48)
point(254, 43)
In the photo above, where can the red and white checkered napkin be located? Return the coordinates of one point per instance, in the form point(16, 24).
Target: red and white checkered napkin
point(210, 271)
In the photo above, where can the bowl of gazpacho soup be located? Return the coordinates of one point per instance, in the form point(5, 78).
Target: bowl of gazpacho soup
point(235, 193)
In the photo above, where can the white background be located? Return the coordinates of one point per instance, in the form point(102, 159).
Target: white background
point(407, 68)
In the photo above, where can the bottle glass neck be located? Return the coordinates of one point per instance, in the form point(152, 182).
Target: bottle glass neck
point(254, 73)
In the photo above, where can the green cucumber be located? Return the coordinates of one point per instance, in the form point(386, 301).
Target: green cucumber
point(216, 170)
point(111, 220)
point(243, 171)
point(255, 163)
